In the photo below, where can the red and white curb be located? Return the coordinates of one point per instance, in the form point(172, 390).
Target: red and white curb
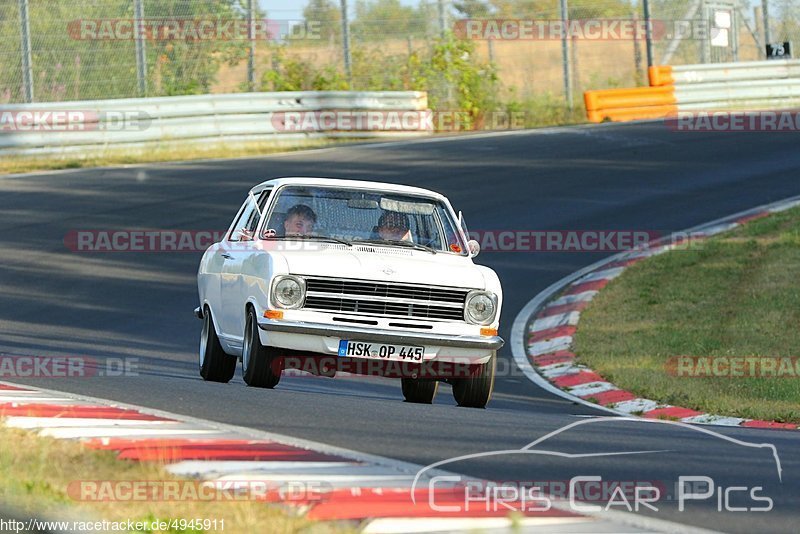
point(370, 492)
point(543, 332)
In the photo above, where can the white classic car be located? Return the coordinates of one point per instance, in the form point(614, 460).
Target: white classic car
point(349, 271)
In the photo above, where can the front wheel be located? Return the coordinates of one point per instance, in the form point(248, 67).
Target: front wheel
point(215, 365)
point(476, 390)
point(418, 390)
point(261, 366)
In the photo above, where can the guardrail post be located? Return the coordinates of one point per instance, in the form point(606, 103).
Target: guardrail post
point(27, 62)
point(139, 37)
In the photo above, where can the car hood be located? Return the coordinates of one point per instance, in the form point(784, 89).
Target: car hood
point(386, 264)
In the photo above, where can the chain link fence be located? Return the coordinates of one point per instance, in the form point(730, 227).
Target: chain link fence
point(85, 49)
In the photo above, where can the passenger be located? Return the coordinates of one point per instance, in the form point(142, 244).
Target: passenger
point(394, 226)
point(300, 220)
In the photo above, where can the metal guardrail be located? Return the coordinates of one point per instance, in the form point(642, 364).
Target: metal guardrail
point(131, 122)
point(752, 86)
point(734, 72)
point(757, 85)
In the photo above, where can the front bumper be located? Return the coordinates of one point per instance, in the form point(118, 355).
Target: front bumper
point(490, 343)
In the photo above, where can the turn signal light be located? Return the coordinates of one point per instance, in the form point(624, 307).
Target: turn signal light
point(273, 314)
point(488, 331)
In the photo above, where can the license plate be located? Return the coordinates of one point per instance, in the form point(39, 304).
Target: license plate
point(363, 349)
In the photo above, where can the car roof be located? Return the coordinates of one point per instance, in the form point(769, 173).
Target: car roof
point(337, 182)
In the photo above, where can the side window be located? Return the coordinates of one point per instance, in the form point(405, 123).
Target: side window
point(249, 217)
point(255, 216)
point(451, 241)
point(242, 221)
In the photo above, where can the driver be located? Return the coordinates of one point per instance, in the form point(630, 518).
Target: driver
point(300, 220)
point(394, 226)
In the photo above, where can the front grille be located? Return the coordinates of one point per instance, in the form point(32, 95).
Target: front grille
point(385, 299)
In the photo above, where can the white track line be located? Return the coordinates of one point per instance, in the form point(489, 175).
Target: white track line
point(554, 321)
point(551, 345)
point(130, 432)
point(219, 468)
point(586, 296)
point(79, 422)
point(607, 274)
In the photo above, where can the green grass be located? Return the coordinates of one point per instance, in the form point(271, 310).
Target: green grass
point(35, 474)
point(735, 295)
point(22, 164)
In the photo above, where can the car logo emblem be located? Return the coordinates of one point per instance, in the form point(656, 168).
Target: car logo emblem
point(388, 271)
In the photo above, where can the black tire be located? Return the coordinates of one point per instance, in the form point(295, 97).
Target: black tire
point(418, 390)
point(215, 365)
point(261, 366)
point(476, 390)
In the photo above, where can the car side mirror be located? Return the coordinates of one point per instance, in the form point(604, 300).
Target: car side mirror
point(474, 248)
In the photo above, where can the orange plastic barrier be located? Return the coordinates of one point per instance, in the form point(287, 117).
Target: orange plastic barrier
point(634, 103)
point(629, 98)
point(631, 114)
point(660, 75)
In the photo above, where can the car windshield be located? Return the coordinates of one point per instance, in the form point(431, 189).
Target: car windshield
point(352, 215)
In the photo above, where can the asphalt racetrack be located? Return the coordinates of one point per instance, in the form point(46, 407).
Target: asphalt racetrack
point(138, 306)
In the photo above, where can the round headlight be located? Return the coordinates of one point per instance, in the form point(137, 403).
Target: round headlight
point(288, 292)
point(480, 308)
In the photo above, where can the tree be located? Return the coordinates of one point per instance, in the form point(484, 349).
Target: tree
point(472, 9)
point(187, 66)
point(381, 19)
point(327, 14)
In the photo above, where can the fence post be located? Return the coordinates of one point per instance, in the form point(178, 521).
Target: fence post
point(139, 38)
point(565, 53)
point(637, 51)
point(251, 54)
point(27, 62)
point(346, 42)
point(648, 30)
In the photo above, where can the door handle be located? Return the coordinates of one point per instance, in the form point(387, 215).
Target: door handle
point(227, 256)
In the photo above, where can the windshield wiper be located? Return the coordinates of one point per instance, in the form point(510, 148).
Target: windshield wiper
point(313, 238)
point(408, 244)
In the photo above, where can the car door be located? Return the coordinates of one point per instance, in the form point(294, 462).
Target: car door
point(240, 247)
point(231, 256)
